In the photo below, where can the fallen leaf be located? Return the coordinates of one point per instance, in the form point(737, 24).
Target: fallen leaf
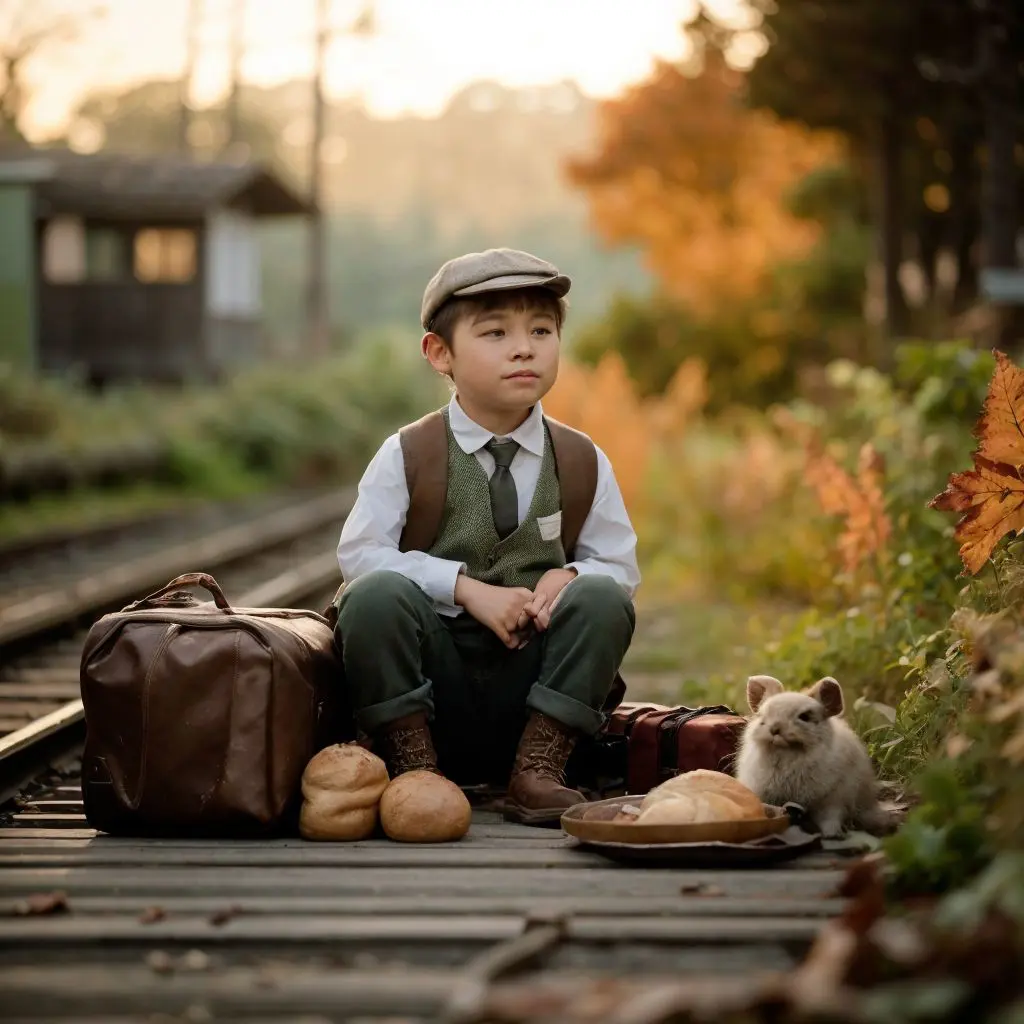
point(151, 915)
point(701, 889)
point(43, 903)
point(225, 914)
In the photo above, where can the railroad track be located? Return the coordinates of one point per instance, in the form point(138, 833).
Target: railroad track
point(279, 554)
point(509, 924)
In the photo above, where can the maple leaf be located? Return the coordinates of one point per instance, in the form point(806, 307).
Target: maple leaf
point(991, 496)
point(999, 430)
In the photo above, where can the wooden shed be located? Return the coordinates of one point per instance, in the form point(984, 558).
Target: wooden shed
point(126, 268)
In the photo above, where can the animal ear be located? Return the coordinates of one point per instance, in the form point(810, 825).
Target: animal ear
point(830, 694)
point(760, 688)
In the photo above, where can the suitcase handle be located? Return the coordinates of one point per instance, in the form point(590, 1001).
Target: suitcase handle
point(189, 579)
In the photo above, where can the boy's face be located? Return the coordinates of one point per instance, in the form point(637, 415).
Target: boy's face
point(503, 359)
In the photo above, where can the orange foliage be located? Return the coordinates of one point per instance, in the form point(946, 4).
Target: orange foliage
point(859, 500)
point(991, 496)
point(757, 474)
point(699, 180)
point(603, 402)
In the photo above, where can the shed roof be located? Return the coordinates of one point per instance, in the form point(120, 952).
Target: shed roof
point(119, 185)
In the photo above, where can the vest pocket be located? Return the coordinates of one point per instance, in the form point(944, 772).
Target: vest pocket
point(550, 526)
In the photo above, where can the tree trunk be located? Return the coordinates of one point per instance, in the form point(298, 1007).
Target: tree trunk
point(1000, 214)
point(890, 192)
point(964, 217)
point(930, 229)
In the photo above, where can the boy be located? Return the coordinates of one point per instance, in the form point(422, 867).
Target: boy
point(487, 650)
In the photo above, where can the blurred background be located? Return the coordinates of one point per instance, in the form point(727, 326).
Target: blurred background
point(792, 227)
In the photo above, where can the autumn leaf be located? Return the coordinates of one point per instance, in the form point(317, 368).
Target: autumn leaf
point(999, 431)
point(991, 496)
point(39, 903)
point(858, 499)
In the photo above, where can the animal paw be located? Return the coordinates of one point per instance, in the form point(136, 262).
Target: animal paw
point(831, 826)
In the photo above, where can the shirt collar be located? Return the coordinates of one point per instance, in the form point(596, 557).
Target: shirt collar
point(471, 437)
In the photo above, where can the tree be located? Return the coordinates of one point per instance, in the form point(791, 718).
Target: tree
point(879, 72)
point(144, 119)
point(687, 171)
point(29, 28)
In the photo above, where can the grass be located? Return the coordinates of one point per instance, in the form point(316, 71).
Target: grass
point(86, 509)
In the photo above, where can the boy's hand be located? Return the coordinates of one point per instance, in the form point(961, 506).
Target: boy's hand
point(500, 609)
point(549, 586)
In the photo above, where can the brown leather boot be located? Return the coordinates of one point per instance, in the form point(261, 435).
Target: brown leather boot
point(537, 794)
point(406, 746)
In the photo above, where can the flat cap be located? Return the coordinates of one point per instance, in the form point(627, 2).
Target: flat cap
point(493, 270)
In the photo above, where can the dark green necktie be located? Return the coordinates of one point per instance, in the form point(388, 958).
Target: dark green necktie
point(504, 500)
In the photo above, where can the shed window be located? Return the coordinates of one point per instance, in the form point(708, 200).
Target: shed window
point(105, 254)
point(165, 255)
point(64, 247)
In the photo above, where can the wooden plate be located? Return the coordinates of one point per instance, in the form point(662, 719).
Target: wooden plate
point(591, 822)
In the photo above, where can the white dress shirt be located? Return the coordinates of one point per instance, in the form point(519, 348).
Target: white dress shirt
point(370, 535)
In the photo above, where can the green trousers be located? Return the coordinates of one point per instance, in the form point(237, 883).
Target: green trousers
point(401, 657)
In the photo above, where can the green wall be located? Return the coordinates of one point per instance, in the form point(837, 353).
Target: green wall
point(17, 277)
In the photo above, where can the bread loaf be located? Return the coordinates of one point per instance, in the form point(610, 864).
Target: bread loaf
point(699, 796)
point(421, 807)
point(341, 788)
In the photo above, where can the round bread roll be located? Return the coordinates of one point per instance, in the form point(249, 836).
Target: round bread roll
point(421, 807)
point(723, 797)
point(341, 787)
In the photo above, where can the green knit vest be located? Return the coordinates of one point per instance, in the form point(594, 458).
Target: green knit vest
point(467, 532)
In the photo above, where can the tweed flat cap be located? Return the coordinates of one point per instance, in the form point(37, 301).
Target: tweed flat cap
point(493, 270)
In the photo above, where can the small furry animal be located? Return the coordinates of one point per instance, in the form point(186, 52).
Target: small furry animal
point(797, 749)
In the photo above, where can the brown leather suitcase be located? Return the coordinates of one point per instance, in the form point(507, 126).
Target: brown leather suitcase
point(200, 717)
point(663, 741)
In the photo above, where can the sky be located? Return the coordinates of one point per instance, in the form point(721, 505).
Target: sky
point(421, 52)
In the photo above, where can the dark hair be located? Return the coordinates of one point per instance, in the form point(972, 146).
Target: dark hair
point(450, 312)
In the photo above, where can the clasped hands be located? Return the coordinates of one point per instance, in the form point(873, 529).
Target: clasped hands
point(509, 612)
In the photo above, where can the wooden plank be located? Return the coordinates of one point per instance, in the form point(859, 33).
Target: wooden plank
point(70, 929)
point(381, 854)
point(692, 904)
point(85, 850)
point(255, 992)
point(44, 818)
point(48, 834)
point(49, 805)
point(233, 883)
point(42, 727)
point(479, 830)
point(57, 678)
point(12, 724)
point(26, 708)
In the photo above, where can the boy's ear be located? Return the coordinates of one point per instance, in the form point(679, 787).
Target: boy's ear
point(437, 353)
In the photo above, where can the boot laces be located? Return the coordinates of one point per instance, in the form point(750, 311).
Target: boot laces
point(409, 750)
point(546, 752)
